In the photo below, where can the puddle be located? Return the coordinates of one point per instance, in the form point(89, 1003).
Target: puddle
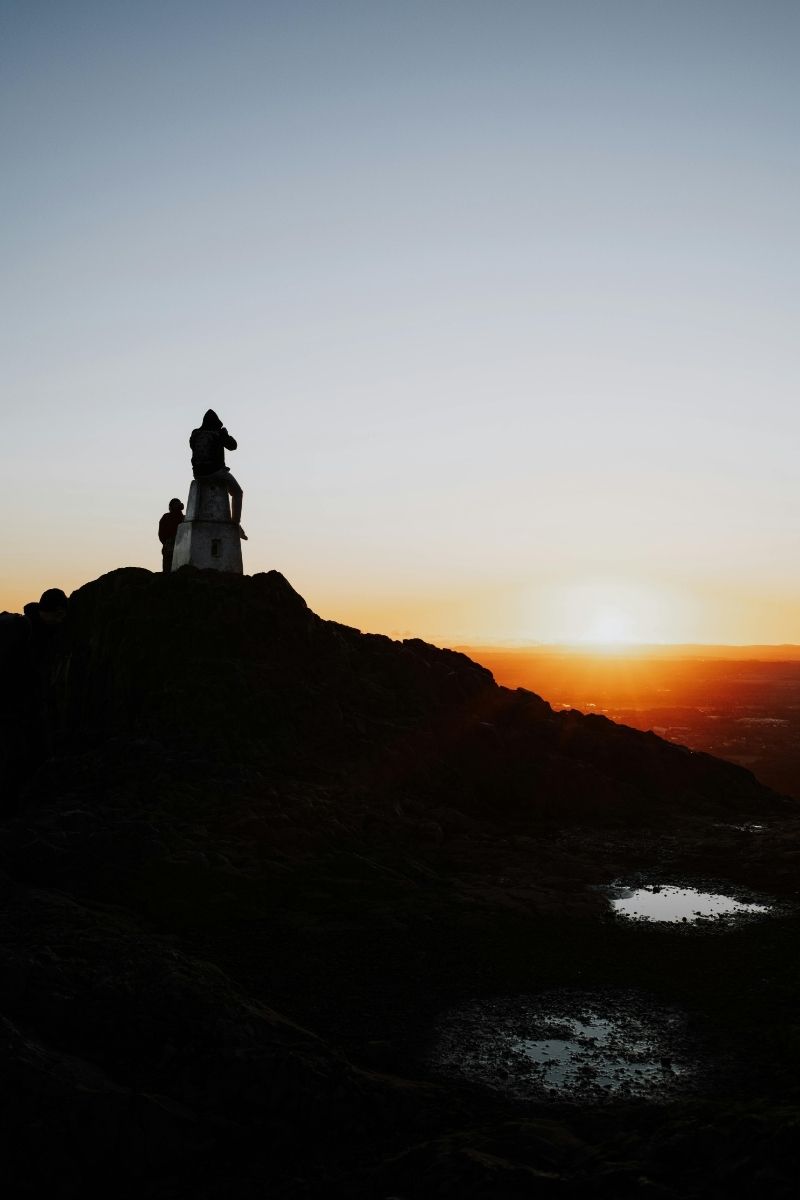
point(657, 903)
point(575, 1047)
point(746, 827)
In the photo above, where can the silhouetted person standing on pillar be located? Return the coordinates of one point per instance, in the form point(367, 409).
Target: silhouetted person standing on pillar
point(167, 528)
point(209, 444)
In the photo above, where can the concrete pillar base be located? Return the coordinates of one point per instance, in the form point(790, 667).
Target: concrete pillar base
point(208, 538)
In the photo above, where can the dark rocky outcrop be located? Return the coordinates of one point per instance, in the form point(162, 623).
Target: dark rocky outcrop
point(266, 848)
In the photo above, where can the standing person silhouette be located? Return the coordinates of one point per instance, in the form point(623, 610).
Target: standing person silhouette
point(208, 444)
point(167, 528)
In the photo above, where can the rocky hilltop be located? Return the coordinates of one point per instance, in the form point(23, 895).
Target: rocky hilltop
point(267, 849)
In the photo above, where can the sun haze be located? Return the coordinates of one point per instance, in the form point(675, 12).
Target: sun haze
point(498, 300)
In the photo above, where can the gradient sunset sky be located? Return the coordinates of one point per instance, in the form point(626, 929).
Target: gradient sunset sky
point(500, 299)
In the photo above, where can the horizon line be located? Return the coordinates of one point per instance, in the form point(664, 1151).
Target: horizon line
point(633, 649)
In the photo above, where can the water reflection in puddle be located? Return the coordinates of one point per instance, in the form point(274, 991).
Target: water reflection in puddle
point(656, 903)
point(581, 1048)
point(747, 827)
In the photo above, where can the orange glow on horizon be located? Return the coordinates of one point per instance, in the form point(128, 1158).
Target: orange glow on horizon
point(603, 615)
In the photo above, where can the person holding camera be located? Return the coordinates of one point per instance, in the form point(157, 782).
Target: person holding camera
point(208, 445)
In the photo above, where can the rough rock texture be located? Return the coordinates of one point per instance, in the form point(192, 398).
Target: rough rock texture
point(268, 849)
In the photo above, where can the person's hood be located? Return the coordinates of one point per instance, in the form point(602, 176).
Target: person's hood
point(211, 420)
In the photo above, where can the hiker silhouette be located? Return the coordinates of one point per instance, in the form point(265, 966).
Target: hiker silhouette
point(208, 445)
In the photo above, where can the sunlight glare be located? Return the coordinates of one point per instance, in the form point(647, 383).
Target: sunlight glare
point(613, 613)
point(609, 627)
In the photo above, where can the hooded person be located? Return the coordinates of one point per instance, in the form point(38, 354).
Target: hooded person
point(208, 445)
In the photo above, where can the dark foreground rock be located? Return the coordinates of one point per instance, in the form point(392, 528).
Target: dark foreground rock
point(267, 851)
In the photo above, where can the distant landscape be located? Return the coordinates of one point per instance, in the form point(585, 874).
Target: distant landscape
point(741, 703)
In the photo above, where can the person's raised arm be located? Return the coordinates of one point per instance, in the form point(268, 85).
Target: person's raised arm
point(228, 442)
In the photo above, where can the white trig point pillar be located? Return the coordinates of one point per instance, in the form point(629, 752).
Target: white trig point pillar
point(208, 537)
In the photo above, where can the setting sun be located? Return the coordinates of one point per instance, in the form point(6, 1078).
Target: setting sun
point(608, 628)
point(607, 611)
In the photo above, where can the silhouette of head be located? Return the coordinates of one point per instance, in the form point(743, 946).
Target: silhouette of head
point(211, 420)
point(175, 505)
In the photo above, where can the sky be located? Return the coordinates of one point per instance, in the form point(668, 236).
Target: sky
point(499, 299)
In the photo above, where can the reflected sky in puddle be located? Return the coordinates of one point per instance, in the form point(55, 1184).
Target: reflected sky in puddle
point(586, 1054)
point(656, 903)
point(600, 1052)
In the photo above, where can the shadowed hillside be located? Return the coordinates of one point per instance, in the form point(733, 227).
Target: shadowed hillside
point(268, 849)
